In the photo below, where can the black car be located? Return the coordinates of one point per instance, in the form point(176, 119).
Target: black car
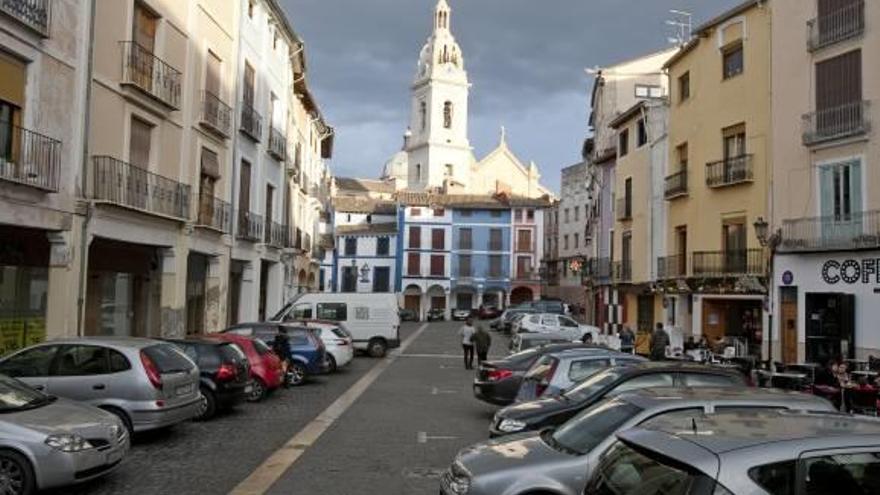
point(436, 314)
point(224, 373)
point(542, 413)
point(497, 382)
point(408, 315)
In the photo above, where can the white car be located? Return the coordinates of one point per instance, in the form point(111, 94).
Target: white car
point(461, 314)
point(558, 324)
point(337, 341)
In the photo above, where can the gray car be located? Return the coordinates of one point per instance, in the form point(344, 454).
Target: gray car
point(745, 453)
point(523, 341)
point(558, 371)
point(560, 461)
point(48, 442)
point(148, 384)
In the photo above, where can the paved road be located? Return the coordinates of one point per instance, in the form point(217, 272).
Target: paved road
point(394, 438)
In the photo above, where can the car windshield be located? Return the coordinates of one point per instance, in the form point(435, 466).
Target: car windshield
point(16, 396)
point(168, 358)
point(625, 471)
point(585, 431)
point(592, 385)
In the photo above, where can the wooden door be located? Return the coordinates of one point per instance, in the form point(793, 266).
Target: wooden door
point(412, 302)
point(714, 320)
point(788, 328)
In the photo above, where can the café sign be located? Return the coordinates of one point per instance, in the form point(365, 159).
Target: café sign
point(851, 272)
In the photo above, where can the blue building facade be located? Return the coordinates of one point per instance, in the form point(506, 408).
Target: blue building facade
point(481, 259)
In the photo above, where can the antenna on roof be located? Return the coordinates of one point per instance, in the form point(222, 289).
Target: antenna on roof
point(683, 23)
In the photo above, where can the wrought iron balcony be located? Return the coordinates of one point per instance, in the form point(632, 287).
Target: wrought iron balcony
point(277, 144)
point(837, 232)
point(147, 72)
point(251, 122)
point(676, 185)
point(275, 234)
point(730, 171)
point(835, 27)
point(624, 208)
point(124, 184)
point(34, 14)
point(29, 158)
point(670, 267)
point(250, 226)
point(622, 271)
point(216, 115)
point(214, 214)
point(599, 268)
point(852, 119)
point(728, 263)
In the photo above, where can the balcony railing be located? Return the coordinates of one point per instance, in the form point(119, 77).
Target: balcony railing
point(251, 122)
point(599, 268)
point(277, 144)
point(29, 158)
point(622, 271)
point(124, 184)
point(274, 234)
point(841, 232)
point(840, 25)
point(214, 214)
point(216, 115)
point(669, 267)
point(676, 185)
point(730, 171)
point(32, 13)
point(147, 72)
point(728, 263)
point(852, 119)
point(624, 208)
point(250, 226)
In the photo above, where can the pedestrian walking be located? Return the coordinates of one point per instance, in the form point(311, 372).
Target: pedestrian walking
point(627, 340)
point(281, 347)
point(467, 343)
point(482, 342)
point(659, 342)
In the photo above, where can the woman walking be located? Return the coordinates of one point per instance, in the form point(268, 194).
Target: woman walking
point(467, 343)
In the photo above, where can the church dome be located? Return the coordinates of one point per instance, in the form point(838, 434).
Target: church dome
point(397, 167)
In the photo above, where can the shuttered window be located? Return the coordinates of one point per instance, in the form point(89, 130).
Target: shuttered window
point(144, 28)
point(415, 237)
point(139, 143)
point(438, 239)
point(249, 85)
point(464, 265)
point(494, 266)
point(212, 76)
point(465, 239)
point(438, 265)
point(413, 263)
point(839, 81)
point(495, 243)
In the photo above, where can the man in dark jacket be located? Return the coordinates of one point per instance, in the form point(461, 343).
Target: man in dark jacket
point(482, 342)
point(659, 342)
point(281, 346)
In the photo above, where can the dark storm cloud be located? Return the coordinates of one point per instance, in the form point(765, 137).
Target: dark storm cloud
point(525, 59)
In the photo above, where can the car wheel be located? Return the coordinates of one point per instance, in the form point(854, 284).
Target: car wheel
point(119, 413)
point(258, 391)
point(16, 474)
point(377, 348)
point(331, 363)
point(296, 374)
point(208, 406)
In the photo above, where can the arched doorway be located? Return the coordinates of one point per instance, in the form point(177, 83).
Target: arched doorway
point(464, 297)
point(436, 297)
point(495, 297)
point(311, 286)
point(412, 298)
point(302, 281)
point(520, 295)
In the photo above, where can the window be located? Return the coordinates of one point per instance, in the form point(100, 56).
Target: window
point(449, 170)
point(349, 278)
point(212, 75)
point(418, 172)
point(706, 380)
point(382, 246)
point(423, 114)
point(649, 91)
point(447, 115)
point(596, 423)
point(684, 87)
point(682, 152)
point(567, 322)
point(275, 41)
point(413, 264)
point(530, 215)
point(778, 478)
point(416, 212)
point(251, 8)
point(734, 141)
point(381, 279)
point(567, 216)
point(839, 111)
point(144, 32)
point(840, 192)
point(494, 265)
point(465, 239)
point(439, 212)
point(565, 241)
point(351, 246)
point(139, 143)
point(852, 472)
point(623, 142)
point(302, 311)
point(645, 381)
point(523, 267)
point(517, 215)
point(415, 237)
point(577, 213)
point(438, 265)
point(576, 240)
point(733, 61)
point(438, 239)
point(332, 311)
point(81, 360)
point(581, 370)
point(495, 241)
point(33, 362)
point(524, 240)
point(464, 265)
point(642, 138)
point(250, 84)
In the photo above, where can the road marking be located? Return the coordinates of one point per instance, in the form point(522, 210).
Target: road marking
point(437, 391)
point(423, 437)
point(432, 356)
point(267, 473)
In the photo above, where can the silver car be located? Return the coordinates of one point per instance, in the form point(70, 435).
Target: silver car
point(523, 341)
point(745, 453)
point(48, 442)
point(560, 461)
point(148, 384)
point(553, 373)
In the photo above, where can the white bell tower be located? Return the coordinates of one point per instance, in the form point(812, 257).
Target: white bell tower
point(439, 151)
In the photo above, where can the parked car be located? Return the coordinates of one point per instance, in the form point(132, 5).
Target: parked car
point(307, 350)
point(48, 442)
point(745, 452)
point(436, 314)
point(523, 341)
point(560, 461)
point(266, 371)
point(546, 306)
point(505, 321)
point(225, 375)
point(408, 314)
point(461, 314)
point(542, 413)
point(497, 381)
point(550, 322)
point(148, 384)
point(488, 312)
point(556, 372)
point(372, 319)
point(516, 321)
point(337, 343)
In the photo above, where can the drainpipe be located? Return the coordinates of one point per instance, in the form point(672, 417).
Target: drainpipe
point(87, 114)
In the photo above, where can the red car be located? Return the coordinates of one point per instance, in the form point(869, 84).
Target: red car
point(266, 371)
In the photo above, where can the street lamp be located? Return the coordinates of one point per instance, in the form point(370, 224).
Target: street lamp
point(771, 242)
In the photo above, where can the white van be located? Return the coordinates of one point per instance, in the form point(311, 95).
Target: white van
point(372, 319)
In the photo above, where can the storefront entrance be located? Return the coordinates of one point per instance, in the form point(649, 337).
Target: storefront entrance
point(739, 321)
point(24, 286)
point(830, 326)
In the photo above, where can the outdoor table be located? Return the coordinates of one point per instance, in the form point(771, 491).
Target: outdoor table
point(866, 373)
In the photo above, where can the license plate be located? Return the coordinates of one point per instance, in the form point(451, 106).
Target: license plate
point(183, 389)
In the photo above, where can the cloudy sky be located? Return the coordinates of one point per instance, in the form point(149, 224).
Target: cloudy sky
point(525, 59)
